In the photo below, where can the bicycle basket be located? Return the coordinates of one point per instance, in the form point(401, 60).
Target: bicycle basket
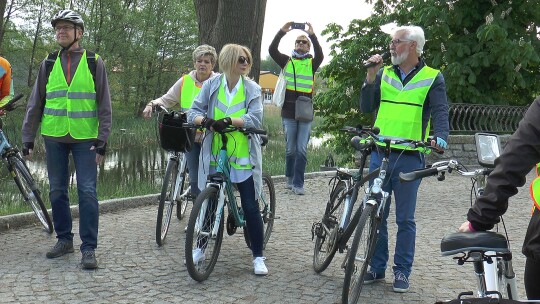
point(172, 136)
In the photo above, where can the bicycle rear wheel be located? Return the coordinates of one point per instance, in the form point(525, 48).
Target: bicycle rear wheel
point(326, 232)
point(166, 201)
point(360, 255)
point(29, 191)
point(181, 205)
point(202, 247)
point(267, 206)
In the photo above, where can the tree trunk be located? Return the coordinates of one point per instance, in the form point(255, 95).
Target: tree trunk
point(232, 21)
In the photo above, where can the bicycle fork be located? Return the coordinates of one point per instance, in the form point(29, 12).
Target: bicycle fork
point(199, 224)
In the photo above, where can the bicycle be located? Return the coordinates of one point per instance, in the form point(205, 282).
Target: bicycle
point(368, 216)
point(176, 140)
point(21, 174)
point(488, 251)
point(335, 228)
point(205, 225)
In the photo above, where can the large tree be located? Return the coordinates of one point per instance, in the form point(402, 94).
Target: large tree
point(488, 52)
point(232, 21)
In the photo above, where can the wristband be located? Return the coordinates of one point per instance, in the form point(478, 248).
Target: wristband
point(471, 227)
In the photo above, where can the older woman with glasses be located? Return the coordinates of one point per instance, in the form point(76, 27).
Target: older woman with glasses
point(234, 99)
point(183, 92)
point(299, 69)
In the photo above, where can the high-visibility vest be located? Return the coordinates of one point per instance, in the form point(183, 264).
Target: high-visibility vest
point(237, 142)
point(303, 69)
point(535, 188)
point(70, 109)
point(188, 92)
point(401, 107)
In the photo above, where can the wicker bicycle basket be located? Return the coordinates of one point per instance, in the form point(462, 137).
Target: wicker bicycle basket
point(172, 136)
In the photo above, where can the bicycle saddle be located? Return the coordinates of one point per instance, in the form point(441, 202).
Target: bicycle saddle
point(473, 241)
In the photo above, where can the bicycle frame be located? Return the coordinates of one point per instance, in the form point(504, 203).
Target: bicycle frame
point(182, 163)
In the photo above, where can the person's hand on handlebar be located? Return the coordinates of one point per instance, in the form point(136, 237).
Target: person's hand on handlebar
point(147, 112)
point(466, 227)
point(221, 124)
point(439, 143)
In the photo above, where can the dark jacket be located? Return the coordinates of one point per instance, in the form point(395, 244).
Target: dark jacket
point(435, 106)
point(520, 155)
point(288, 109)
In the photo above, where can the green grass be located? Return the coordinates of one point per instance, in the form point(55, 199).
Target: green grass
point(143, 173)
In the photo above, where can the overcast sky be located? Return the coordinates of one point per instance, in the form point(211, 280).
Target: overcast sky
point(318, 12)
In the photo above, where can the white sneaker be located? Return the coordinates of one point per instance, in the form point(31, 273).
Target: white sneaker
point(198, 255)
point(259, 267)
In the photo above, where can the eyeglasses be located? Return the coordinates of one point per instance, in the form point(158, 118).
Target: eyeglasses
point(64, 28)
point(398, 41)
point(243, 60)
point(301, 42)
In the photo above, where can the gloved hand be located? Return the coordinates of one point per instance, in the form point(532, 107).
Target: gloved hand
point(100, 147)
point(441, 143)
point(221, 124)
point(27, 146)
point(207, 122)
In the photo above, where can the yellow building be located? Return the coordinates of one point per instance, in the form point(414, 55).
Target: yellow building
point(267, 81)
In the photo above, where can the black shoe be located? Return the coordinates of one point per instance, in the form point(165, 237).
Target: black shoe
point(60, 248)
point(88, 260)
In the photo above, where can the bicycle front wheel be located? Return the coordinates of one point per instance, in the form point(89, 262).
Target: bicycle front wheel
point(360, 255)
point(204, 235)
point(166, 201)
point(267, 207)
point(326, 232)
point(181, 205)
point(29, 191)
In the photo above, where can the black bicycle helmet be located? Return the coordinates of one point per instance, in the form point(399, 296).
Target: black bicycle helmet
point(68, 15)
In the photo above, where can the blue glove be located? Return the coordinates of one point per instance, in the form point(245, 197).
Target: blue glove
point(442, 143)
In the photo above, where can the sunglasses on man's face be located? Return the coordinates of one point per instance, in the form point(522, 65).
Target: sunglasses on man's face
point(301, 42)
point(243, 60)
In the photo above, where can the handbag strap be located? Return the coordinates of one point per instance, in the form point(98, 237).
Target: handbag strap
point(294, 76)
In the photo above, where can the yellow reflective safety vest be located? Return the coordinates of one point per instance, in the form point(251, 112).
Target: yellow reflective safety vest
point(303, 69)
point(401, 107)
point(188, 92)
point(535, 188)
point(70, 109)
point(237, 142)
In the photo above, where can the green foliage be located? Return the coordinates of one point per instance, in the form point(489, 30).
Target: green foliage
point(488, 52)
point(268, 64)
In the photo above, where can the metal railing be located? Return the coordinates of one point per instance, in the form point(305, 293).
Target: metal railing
point(473, 118)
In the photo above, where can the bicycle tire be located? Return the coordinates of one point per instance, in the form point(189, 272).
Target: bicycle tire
point(365, 234)
point(268, 215)
point(207, 200)
point(326, 244)
point(29, 191)
point(166, 202)
point(181, 206)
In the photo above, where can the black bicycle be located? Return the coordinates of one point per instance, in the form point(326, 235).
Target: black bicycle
point(21, 174)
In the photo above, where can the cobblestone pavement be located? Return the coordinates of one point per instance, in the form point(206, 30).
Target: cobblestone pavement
point(133, 269)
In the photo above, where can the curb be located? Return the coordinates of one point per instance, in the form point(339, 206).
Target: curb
point(21, 220)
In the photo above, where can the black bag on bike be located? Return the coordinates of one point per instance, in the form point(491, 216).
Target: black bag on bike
point(172, 135)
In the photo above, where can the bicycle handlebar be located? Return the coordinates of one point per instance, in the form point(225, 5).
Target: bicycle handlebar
point(443, 166)
point(8, 106)
point(229, 129)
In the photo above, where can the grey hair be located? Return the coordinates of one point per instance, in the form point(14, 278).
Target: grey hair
point(415, 33)
point(205, 50)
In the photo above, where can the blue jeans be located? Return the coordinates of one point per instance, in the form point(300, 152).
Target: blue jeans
point(84, 160)
point(192, 158)
point(405, 197)
point(252, 215)
point(296, 137)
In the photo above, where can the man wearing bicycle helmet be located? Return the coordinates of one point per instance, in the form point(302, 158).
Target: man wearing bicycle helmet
point(520, 155)
point(73, 104)
point(6, 82)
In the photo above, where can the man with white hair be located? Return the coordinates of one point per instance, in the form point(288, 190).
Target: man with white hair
point(406, 96)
